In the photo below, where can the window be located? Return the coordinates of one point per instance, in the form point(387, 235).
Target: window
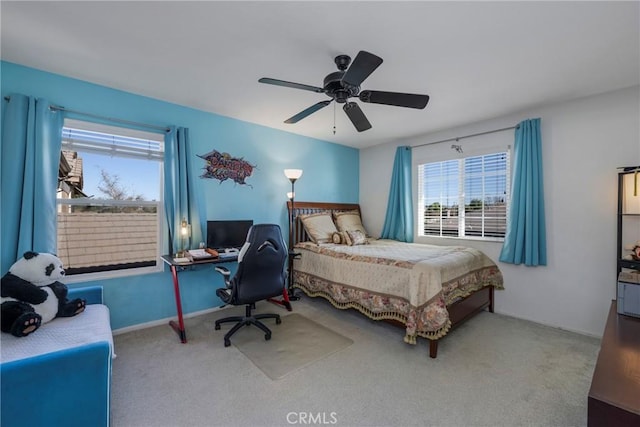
point(109, 199)
point(464, 197)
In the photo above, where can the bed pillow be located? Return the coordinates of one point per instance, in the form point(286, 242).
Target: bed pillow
point(349, 220)
point(356, 237)
point(341, 238)
point(319, 227)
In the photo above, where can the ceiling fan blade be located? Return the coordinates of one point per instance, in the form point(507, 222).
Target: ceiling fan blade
point(361, 67)
point(304, 113)
point(356, 116)
point(291, 84)
point(409, 100)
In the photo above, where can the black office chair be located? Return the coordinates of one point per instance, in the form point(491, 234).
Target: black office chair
point(261, 274)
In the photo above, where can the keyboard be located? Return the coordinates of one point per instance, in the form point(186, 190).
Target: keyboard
point(224, 255)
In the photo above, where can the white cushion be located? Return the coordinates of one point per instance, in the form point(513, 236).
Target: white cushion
point(92, 325)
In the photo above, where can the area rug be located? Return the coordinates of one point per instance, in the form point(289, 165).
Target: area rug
point(295, 343)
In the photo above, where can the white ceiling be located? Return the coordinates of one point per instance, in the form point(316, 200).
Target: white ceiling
point(477, 60)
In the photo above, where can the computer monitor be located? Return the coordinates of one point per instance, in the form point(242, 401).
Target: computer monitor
point(227, 234)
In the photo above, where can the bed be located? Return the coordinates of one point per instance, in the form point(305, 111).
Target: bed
point(427, 289)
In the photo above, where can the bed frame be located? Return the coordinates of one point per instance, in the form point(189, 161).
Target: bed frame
point(459, 311)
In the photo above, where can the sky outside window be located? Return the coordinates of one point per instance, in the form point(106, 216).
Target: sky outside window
point(136, 176)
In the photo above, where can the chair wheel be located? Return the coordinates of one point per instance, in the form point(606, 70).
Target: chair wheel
point(227, 343)
point(267, 337)
point(217, 326)
point(278, 321)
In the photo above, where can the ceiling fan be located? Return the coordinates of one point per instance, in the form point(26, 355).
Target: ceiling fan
point(345, 83)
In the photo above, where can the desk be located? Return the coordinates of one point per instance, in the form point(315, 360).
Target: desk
point(614, 397)
point(168, 259)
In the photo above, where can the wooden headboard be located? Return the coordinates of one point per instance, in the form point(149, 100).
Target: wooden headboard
point(303, 208)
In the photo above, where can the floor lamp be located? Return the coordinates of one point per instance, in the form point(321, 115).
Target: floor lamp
point(293, 175)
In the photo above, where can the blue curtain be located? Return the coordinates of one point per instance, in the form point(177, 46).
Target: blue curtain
point(180, 192)
point(31, 142)
point(398, 223)
point(525, 241)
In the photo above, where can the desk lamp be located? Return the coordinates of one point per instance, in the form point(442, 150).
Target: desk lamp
point(185, 233)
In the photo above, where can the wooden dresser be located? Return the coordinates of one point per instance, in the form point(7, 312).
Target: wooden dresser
point(614, 397)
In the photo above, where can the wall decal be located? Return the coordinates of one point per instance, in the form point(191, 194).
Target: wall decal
point(222, 166)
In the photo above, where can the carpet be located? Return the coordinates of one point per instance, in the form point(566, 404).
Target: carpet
point(295, 343)
point(493, 370)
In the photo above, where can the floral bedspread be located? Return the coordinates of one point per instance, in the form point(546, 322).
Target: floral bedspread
point(409, 282)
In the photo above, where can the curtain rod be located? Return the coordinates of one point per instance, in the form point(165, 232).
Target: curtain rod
point(466, 136)
point(629, 168)
point(111, 119)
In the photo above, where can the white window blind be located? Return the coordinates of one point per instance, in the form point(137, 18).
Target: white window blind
point(108, 140)
point(465, 197)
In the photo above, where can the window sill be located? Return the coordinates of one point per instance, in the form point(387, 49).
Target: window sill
point(475, 239)
point(114, 274)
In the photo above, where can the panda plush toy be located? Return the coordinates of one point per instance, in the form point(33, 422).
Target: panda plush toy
point(32, 295)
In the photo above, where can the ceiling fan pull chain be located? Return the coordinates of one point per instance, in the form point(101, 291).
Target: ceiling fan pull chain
point(334, 118)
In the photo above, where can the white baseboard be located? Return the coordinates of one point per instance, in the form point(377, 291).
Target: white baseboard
point(575, 331)
point(165, 321)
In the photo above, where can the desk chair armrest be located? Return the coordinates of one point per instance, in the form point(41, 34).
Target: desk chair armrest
point(226, 274)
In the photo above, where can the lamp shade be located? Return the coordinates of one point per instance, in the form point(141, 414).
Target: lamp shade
point(293, 174)
point(631, 195)
point(291, 195)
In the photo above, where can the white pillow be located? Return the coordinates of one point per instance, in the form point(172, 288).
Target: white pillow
point(319, 227)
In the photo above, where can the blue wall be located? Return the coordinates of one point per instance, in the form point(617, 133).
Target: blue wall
point(330, 174)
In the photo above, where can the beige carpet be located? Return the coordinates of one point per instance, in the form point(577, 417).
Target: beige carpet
point(492, 371)
point(295, 343)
